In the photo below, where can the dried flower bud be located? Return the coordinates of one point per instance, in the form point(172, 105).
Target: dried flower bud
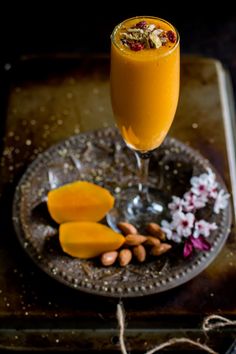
point(141, 24)
point(136, 46)
point(171, 36)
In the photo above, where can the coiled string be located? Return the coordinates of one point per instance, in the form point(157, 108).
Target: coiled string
point(209, 323)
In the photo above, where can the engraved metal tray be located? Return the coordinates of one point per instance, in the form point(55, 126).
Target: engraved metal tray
point(101, 157)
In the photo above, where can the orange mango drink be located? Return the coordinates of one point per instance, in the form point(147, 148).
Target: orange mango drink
point(145, 70)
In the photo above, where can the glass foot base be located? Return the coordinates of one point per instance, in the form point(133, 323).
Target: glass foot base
point(132, 209)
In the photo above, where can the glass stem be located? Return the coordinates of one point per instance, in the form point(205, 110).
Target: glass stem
point(143, 166)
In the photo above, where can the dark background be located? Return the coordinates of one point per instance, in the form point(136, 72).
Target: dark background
point(206, 28)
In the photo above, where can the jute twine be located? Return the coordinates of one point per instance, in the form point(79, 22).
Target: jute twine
point(216, 321)
point(211, 322)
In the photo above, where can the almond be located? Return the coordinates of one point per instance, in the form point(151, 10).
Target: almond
point(152, 241)
point(109, 258)
point(134, 240)
point(162, 248)
point(125, 257)
point(139, 253)
point(155, 230)
point(127, 229)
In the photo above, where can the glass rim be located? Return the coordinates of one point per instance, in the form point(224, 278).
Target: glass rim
point(143, 17)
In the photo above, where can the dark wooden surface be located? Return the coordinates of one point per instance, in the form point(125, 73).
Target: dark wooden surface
point(35, 311)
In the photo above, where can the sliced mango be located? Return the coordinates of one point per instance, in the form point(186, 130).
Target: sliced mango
point(79, 201)
point(88, 239)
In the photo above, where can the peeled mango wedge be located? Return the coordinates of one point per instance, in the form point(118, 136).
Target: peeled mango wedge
point(88, 239)
point(79, 201)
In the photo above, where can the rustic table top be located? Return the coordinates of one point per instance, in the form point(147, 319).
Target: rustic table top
point(49, 99)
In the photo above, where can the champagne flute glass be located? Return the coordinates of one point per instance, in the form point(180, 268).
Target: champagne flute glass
point(144, 81)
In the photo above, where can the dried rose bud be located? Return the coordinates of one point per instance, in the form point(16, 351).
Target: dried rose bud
point(141, 24)
point(136, 46)
point(171, 36)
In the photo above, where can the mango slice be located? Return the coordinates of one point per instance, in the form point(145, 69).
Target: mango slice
point(88, 239)
point(79, 201)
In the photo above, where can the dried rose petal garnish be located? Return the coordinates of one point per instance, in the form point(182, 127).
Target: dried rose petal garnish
point(136, 46)
point(171, 36)
point(146, 36)
point(141, 24)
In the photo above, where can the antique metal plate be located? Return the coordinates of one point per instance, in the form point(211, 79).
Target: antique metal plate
point(102, 157)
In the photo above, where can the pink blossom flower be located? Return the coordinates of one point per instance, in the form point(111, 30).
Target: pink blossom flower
point(221, 201)
point(203, 228)
point(176, 204)
point(192, 202)
point(171, 234)
point(213, 192)
point(183, 223)
point(211, 176)
point(175, 237)
point(167, 228)
point(200, 185)
point(183, 226)
point(205, 185)
point(211, 179)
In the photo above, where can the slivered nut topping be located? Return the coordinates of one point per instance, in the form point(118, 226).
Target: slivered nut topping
point(146, 36)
